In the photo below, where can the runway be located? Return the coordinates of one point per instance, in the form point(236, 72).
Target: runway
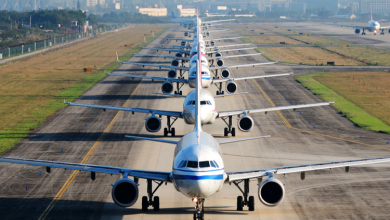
point(77, 135)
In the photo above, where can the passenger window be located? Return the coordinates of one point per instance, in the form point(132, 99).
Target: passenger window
point(212, 164)
point(192, 164)
point(203, 164)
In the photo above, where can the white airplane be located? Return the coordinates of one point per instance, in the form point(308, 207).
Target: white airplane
point(198, 171)
point(212, 42)
point(373, 26)
point(207, 47)
point(231, 87)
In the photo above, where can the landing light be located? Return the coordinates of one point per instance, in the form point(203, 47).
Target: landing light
point(195, 200)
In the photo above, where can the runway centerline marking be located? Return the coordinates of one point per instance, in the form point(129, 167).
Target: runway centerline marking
point(87, 156)
point(312, 132)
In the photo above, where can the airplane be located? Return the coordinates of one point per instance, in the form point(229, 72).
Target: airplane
point(198, 171)
point(373, 26)
point(212, 41)
point(209, 114)
point(207, 47)
point(231, 87)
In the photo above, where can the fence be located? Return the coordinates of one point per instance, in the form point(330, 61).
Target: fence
point(13, 51)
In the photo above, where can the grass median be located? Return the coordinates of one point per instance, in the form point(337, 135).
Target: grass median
point(33, 89)
point(362, 97)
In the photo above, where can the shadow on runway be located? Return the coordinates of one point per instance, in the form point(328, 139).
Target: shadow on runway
point(32, 208)
point(135, 81)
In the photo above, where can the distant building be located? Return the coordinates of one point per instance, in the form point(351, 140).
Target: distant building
point(187, 12)
point(156, 12)
point(299, 7)
point(117, 6)
point(378, 6)
point(329, 5)
point(354, 6)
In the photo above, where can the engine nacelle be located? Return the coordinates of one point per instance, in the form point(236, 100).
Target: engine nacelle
point(225, 73)
point(357, 31)
point(186, 34)
point(125, 192)
point(231, 87)
point(389, 31)
point(167, 87)
point(220, 62)
point(179, 55)
point(208, 34)
point(153, 123)
point(271, 192)
point(172, 73)
point(183, 43)
point(245, 123)
point(175, 62)
point(218, 54)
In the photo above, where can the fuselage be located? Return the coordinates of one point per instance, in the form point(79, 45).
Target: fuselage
point(206, 77)
point(198, 168)
point(374, 26)
point(207, 107)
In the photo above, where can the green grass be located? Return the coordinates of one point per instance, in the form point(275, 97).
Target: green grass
point(15, 134)
point(350, 110)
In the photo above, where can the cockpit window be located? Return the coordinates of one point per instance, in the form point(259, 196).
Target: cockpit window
point(203, 164)
point(182, 164)
point(213, 164)
point(216, 165)
point(192, 164)
point(203, 102)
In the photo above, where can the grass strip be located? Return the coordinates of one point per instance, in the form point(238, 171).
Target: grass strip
point(347, 108)
point(16, 133)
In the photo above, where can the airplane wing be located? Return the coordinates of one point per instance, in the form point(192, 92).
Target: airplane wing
point(145, 174)
point(236, 49)
point(233, 56)
point(164, 49)
point(157, 65)
point(240, 65)
point(176, 39)
point(269, 109)
point(150, 77)
point(249, 174)
point(386, 27)
point(169, 45)
point(231, 45)
point(250, 77)
point(206, 22)
point(162, 56)
point(218, 30)
point(120, 108)
point(227, 38)
point(353, 26)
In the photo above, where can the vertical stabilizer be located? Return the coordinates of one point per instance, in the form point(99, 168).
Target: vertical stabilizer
point(173, 15)
point(198, 122)
point(371, 13)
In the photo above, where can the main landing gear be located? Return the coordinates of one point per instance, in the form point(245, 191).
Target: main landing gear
point(148, 200)
point(199, 214)
point(170, 129)
point(363, 33)
point(229, 130)
point(382, 32)
point(243, 200)
point(178, 87)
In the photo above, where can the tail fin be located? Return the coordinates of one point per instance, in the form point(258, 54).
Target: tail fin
point(371, 12)
point(173, 15)
point(198, 122)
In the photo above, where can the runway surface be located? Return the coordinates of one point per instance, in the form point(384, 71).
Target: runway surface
point(77, 134)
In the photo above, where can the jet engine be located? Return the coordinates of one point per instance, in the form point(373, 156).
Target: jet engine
point(183, 43)
point(212, 43)
point(172, 73)
point(186, 34)
point(245, 123)
point(231, 87)
point(218, 54)
point(271, 192)
point(357, 31)
point(389, 31)
point(153, 123)
point(179, 55)
point(125, 192)
point(175, 62)
point(220, 62)
point(225, 73)
point(208, 34)
point(167, 87)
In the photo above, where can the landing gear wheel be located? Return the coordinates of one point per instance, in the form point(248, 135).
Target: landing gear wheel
point(156, 203)
point(165, 132)
point(225, 132)
point(240, 203)
point(233, 132)
point(223, 92)
point(251, 203)
point(181, 92)
point(217, 92)
point(175, 92)
point(145, 203)
point(173, 132)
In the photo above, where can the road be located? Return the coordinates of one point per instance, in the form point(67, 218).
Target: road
point(77, 134)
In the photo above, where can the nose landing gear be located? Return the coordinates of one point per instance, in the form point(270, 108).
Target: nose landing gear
point(199, 214)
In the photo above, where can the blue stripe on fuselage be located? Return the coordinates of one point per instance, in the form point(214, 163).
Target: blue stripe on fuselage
point(206, 177)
